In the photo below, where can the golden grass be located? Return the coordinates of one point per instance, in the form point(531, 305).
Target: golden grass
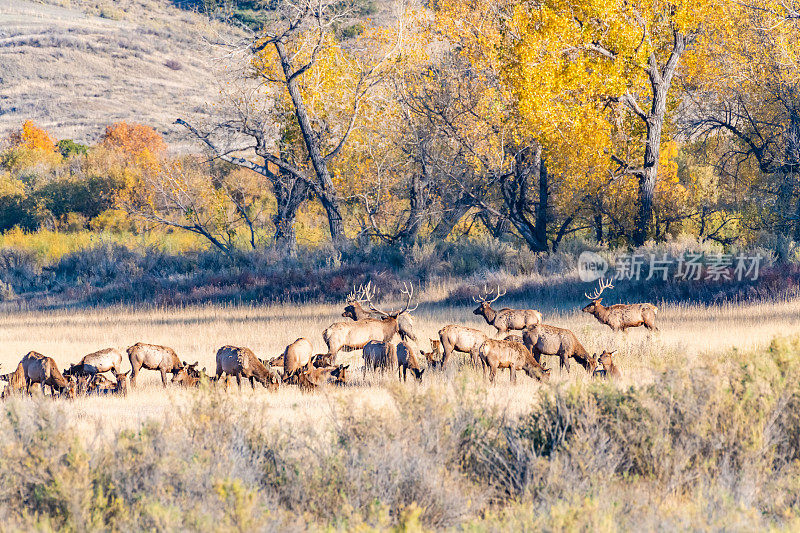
point(196, 332)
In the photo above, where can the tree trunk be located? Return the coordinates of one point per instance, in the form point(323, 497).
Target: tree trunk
point(660, 82)
point(325, 189)
point(598, 227)
point(542, 207)
point(451, 216)
point(515, 190)
point(416, 197)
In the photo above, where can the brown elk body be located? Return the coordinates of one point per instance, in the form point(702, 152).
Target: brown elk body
point(153, 357)
point(550, 340)
point(189, 376)
point(297, 355)
point(460, 339)
point(620, 317)
point(512, 355)
point(610, 370)
point(506, 319)
point(242, 362)
point(312, 377)
point(513, 337)
point(39, 368)
point(380, 356)
point(356, 311)
point(104, 360)
point(407, 360)
point(16, 381)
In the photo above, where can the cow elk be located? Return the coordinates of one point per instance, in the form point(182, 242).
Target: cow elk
point(434, 357)
point(609, 370)
point(41, 369)
point(512, 355)
point(189, 376)
point(297, 355)
point(550, 340)
point(153, 357)
point(505, 319)
point(312, 377)
point(357, 334)
point(242, 362)
point(460, 339)
point(620, 317)
point(407, 360)
point(16, 381)
point(379, 356)
point(106, 360)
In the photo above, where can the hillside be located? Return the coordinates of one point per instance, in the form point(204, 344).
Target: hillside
point(77, 66)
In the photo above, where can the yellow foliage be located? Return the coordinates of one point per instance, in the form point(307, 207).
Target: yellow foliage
point(133, 139)
point(32, 137)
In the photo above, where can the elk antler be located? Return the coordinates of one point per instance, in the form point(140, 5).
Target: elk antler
point(482, 299)
point(408, 290)
point(361, 294)
point(602, 285)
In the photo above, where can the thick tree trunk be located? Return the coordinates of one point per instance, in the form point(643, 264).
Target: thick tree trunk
point(416, 197)
point(325, 190)
point(515, 195)
point(598, 227)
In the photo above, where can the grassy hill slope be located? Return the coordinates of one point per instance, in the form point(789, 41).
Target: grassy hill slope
point(76, 66)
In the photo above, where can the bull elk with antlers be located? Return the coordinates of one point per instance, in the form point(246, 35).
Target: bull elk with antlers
point(505, 318)
point(620, 317)
point(355, 310)
point(357, 334)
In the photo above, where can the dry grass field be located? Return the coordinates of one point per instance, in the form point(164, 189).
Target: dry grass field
point(700, 433)
point(76, 66)
point(688, 334)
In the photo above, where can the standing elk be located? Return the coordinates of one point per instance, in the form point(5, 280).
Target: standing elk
point(512, 355)
point(242, 362)
point(39, 368)
point(550, 340)
point(379, 355)
point(460, 339)
point(16, 381)
point(610, 370)
point(104, 360)
point(153, 357)
point(407, 360)
point(357, 334)
point(297, 355)
point(620, 317)
point(505, 319)
point(355, 311)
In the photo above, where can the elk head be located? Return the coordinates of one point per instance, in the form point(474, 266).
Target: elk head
point(605, 358)
point(355, 300)
point(484, 305)
point(122, 382)
point(602, 285)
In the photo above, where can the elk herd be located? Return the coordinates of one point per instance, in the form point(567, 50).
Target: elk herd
point(525, 338)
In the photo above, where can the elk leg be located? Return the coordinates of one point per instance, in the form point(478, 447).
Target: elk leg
point(513, 374)
point(492, 373)
point(163, 377)
point(253, 382)
point(239, 380)
point(405, 370)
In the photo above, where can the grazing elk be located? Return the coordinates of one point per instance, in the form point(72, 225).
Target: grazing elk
point(380, 355)
point(357, 334)
point(104, 360)
point(297, 355)
point(39, 368)
point(505, 319)
point(16, 381)
point(153, 357)
point(407, 360)
point(513, 356)
point(460, 339)
point(242, 362)
point(620, 317)
point(550, 340)
point(513, 337)
point(609, 370)
point(355, 311)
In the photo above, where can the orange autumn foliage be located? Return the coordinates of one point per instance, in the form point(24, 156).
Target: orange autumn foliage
point(133, 139)
point(33, 137)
